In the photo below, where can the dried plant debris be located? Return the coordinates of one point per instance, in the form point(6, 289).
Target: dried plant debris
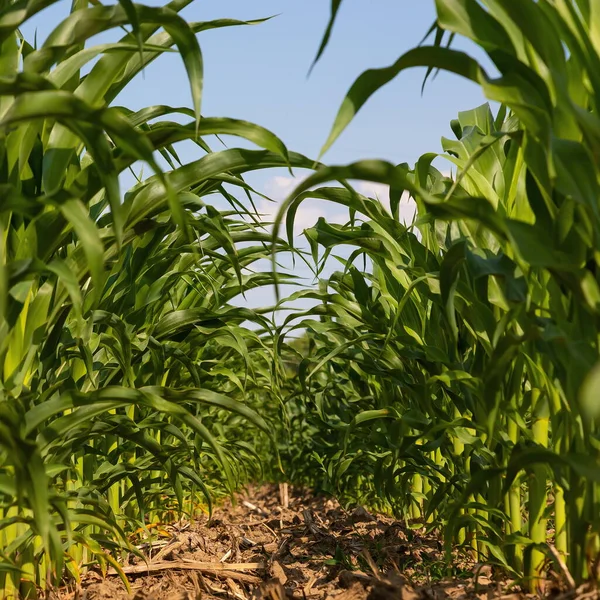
point(310, 549)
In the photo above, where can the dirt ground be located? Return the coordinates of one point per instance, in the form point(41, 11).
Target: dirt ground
point(275, 545)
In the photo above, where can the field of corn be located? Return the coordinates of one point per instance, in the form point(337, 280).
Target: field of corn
point(447, 373)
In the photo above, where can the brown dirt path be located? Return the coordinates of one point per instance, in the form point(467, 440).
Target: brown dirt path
point(305, 548)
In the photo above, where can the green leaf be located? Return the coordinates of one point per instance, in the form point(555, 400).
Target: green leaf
point(374, 79)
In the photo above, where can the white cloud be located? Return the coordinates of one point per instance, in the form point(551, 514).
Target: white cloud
point(381, 192)
point(371, 189)
point(278, 188)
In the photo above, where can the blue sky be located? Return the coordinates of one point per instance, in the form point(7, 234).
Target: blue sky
point(259, 73)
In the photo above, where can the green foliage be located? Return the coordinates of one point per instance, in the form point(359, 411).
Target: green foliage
point(129, 382)
point(447, 372)
point(454, 379)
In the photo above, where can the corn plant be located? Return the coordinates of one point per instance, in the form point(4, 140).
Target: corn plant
point(128, 377)
point(455, 378)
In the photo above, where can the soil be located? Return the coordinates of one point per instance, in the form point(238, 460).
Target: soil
point(277, 546)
